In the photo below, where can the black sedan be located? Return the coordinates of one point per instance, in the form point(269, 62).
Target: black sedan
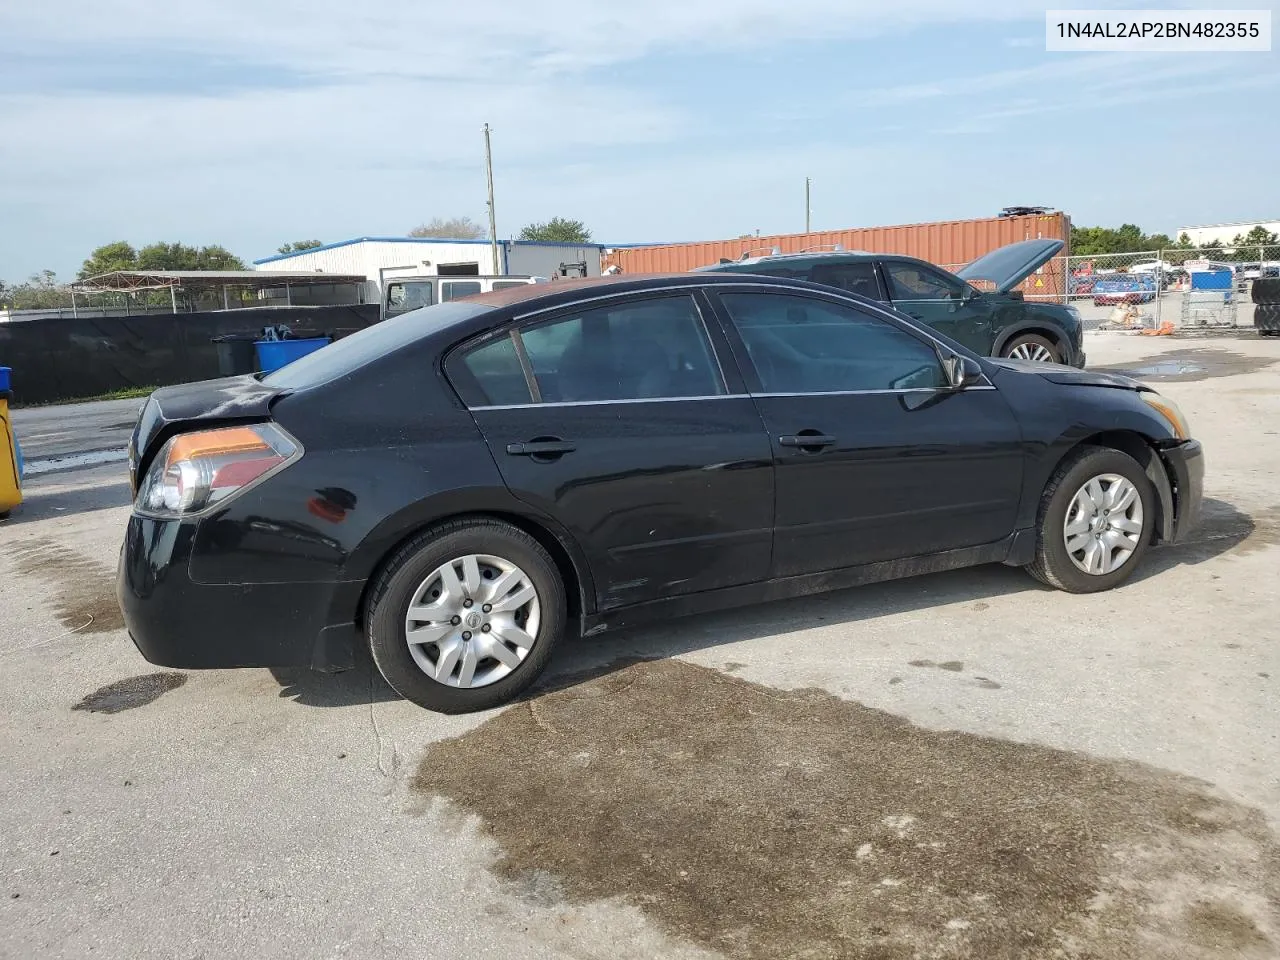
point(464, 485)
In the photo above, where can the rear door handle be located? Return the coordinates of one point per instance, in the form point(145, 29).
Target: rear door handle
point(541, 448)
point(804, 440)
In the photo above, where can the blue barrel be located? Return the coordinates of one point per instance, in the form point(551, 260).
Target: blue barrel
point(274, 354)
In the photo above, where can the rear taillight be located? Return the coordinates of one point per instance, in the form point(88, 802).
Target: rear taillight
point(195, 471)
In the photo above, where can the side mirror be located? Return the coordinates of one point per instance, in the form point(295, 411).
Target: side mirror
point(961, 371)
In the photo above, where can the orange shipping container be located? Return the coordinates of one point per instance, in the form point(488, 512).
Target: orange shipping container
point(950, 243)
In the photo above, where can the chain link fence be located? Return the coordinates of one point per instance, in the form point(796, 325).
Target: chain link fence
point(1182, 288)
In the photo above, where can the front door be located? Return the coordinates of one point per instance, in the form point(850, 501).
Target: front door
point(943, 302)
point(617, 420)
point(877, 459)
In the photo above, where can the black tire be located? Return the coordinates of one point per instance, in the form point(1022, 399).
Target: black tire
point(1266, 290)
point(394, 588)
point(1032, 341)
point(1053, 564)
point(1266, 317)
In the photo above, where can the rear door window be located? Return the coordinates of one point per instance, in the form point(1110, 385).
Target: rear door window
point(854, 277)
point(648, 349)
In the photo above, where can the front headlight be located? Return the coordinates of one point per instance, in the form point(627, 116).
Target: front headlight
point(1169, 410)
point(196, 470)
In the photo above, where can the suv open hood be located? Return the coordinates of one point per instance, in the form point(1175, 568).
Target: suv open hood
point(1009, 265)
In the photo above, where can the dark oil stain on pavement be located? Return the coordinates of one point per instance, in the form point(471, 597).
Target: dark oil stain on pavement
point(131, 692)
point(767, 824)
point(84, 596)
point(1182, 366)
point(954, 666)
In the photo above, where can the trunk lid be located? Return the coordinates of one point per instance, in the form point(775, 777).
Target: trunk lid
point(208, 403)
point(1008, 266)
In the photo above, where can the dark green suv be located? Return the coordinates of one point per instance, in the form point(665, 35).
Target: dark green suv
point(996, 323)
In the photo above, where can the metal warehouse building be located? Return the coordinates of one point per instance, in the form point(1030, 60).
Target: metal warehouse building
point(1226, 232)
point(378, 258)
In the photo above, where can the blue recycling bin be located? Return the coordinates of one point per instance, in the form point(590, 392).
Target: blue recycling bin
point(274, 354)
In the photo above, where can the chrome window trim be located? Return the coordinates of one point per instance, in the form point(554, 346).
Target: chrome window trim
point(725, 396)
point(872, 306)
point(693, 285)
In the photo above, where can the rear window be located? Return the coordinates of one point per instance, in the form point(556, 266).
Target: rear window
point(350, 353)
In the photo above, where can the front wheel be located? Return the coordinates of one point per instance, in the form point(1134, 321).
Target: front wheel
point(1031, 346)
point(464, 616)
point(1095, 521)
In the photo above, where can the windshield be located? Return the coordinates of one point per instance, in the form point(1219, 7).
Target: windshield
point(350, 353)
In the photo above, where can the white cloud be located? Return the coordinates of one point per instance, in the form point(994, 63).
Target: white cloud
point(388, 132)
point(411, 36)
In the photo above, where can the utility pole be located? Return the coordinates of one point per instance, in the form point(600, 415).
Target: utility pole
point(493, 220)
point(807, 209)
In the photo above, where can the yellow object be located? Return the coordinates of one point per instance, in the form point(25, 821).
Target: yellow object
point(10, 486)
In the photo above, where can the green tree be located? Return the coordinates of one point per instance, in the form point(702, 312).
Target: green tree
point(158, 256)
point(167, 256)
point(109, 258)
point(216, 257)
point(453, 228)
point(179, 256)
point(1127, 238)
point(41, 291)
point(297, 246)
point(557, 230)
point(1247, 244)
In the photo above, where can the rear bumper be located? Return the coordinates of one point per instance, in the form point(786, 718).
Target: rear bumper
point(175, 622)
point(1185, 464)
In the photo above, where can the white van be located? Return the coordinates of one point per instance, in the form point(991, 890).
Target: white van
point(402, 294)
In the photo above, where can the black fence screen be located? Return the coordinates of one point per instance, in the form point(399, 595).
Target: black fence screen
point(68, 359)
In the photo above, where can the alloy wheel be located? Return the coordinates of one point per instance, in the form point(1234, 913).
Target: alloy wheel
point(1029, 350)
point(472, 621)
point(1104, 524)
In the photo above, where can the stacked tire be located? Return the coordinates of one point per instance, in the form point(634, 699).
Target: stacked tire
point(1266, 306)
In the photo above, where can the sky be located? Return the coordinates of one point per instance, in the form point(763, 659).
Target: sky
point(250, 123)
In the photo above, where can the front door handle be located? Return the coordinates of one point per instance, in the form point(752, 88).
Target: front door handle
point(807, 439)
point(541, 448)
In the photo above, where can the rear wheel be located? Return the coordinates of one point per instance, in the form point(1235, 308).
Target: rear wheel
point(464, 617)
point(1032, 346)
point(1095, 522)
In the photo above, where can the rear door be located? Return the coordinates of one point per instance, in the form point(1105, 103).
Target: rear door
point(942, 301)
point(877, 459)
point(616, 418)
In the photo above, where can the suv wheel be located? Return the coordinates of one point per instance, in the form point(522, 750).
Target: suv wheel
point(1032, 346)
